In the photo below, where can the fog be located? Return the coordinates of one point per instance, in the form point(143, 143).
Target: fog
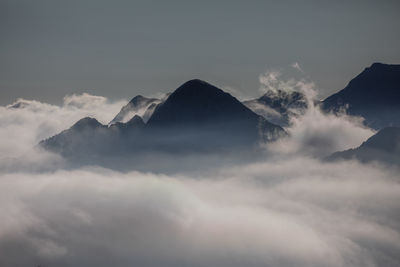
point(297, 212)
point(286, 209)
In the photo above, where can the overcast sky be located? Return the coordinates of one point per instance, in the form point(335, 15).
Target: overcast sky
point(118, 49)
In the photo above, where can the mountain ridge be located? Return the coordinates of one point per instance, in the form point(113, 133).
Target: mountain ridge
point(384, 146)
point(374, 94)
point(277, 106)
point(138, 105)
point(196, 118)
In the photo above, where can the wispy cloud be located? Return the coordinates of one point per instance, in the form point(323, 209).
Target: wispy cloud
point(296, 66)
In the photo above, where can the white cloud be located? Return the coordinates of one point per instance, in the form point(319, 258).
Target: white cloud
point(84, 100)
point(318, 134)
point(274, 80)
point(296, 66)
point(313, 132)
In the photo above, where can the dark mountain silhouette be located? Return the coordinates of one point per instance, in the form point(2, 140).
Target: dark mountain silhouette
point(138, 105)
point(383, 146)
point(277, 106)
point(202, 112)
point(374, 94)
point(80, 139)
point(197, 117)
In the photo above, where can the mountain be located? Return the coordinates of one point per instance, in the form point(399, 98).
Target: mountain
point(383, 146)
point(200, 111)
point(139, 105)
point(196, 118)
point(82, 138)
point(277, 106)
point(374, 94)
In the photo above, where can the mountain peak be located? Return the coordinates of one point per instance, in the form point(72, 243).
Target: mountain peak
point(196, 86)
point(194, 82)
point(378, 70)
point(200, 109)
point(373, 94)
point(196, 101)
point(86, 122)
point(137, 106)
point(377, 65)
point(137, 99)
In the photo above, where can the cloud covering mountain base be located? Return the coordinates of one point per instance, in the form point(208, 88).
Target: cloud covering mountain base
point(286, 209)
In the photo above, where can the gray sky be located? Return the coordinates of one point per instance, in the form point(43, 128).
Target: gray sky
point(121, 48)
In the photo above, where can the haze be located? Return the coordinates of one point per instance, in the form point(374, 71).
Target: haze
point(118, 49)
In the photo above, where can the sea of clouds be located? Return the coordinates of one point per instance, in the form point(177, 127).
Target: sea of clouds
point(289, 209)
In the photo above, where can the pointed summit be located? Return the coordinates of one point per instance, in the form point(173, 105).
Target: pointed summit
point(374, 94)
point(197, 101)
point(201, 111)
point(86, 123)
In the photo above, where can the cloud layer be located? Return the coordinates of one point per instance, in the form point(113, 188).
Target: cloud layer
point(298, 212)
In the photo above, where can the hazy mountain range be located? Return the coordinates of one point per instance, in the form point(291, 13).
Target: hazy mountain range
point(200, 118)
point(197, 118)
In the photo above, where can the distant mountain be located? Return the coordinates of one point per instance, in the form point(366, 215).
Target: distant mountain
point(277, 106)
point(374, 94)
point(139, 105)
point(383, 146)
point(197, 117)
point(200, 111)
point(89, 138)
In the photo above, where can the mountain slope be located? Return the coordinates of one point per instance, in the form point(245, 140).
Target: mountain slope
point(374, 94)
point(383, 146)
point(83, 137)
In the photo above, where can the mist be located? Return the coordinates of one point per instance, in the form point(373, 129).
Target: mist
point(295, 212)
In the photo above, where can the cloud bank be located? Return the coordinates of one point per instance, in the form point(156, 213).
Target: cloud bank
point(298, 212)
